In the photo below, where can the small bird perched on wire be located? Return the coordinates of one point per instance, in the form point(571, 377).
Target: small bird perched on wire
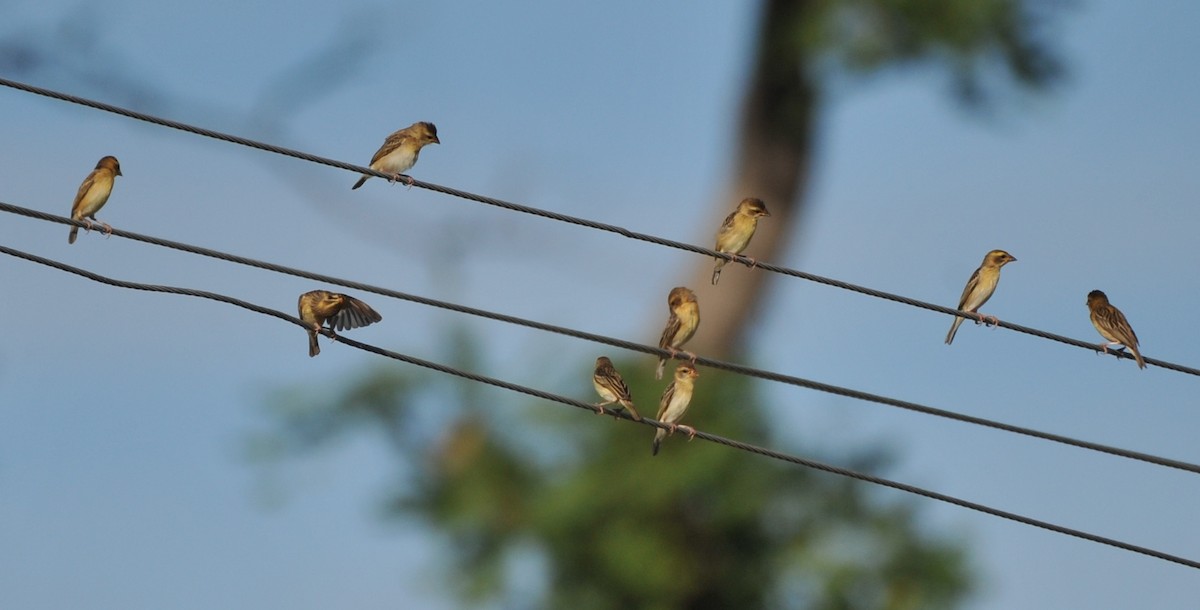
point(611, 387)
point(93, 194)
point(1112, 325)
point(400, 151)
point(674, 404)
point(681, 325)
point(737, 230)
point(980, 288)
point(341, 311)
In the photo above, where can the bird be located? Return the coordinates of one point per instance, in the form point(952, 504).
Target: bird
point(611, 387)
point(341, 311)
point(400, 151)
point(980, 288)
point(93, 194)
point(685, 317)
point(1112, 325)
point(737, 230)
point(674, 404)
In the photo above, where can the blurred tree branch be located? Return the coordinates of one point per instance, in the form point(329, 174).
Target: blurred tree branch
point(805, 45)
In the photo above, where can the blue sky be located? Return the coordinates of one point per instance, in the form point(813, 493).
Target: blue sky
point(124, 415)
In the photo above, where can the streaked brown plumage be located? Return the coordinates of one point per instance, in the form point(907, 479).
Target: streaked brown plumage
point(674, 404)
point(1112, 325)
point(93, 194)
point(681, 325)
point(737, 230)
point(611, 387)
point(342, 312)
point(980, 288)
point(400, 151)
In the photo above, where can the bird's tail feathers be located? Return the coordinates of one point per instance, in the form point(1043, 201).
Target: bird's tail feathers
point(953, 330)
point(632, 411)
point(717, 270)
point(73, 235)
point(659, 435)
point(662, 364)
point(360, 182)
point(313, 348)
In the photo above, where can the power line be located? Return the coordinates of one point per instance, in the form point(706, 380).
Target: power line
point(529, 391)
point(638, 347)
point(575, 220)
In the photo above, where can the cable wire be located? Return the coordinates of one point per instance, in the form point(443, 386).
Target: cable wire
point(628, 345)
point(529, 391)
point(600, 226)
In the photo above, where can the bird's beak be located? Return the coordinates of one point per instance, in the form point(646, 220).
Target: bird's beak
point(1012, 259)
point(436, 140)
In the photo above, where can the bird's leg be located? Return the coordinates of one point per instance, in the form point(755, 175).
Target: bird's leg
point(87, 225)
point(107, 228)
point(691, 432)
point(671, 429)
point(691, 356)
point(984, 318)
point(600, 407)
point(753, 263)
point(410, 181)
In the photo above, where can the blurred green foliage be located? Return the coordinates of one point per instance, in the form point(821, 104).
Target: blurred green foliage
point(578, 499)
